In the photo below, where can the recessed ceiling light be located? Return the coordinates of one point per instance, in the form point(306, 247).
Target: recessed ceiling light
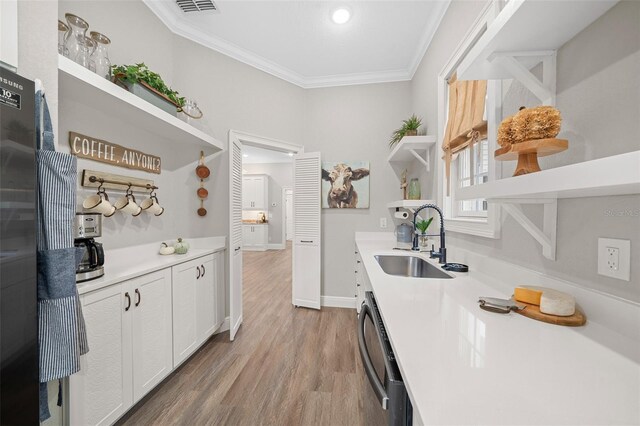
point(341, 16)
point(290, 154)
point(245, 155)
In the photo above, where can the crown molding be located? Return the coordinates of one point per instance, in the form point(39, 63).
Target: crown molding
point(435, 19)
point(179, 26)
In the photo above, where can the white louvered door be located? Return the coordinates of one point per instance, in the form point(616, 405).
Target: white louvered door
point(235, 252)
point(306, 230)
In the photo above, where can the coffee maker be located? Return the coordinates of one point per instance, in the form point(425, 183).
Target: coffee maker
point(88, 226)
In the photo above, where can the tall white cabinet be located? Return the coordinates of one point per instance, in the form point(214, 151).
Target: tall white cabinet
point(140, 330)
point(255, 192)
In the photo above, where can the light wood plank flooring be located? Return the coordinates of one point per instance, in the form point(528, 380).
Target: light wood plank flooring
point(287, 366)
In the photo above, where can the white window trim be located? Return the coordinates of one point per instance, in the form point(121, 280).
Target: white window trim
point(488, 227)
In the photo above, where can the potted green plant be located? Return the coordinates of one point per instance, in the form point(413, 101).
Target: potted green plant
point(148, 85)
point(409, 127)
point(422, 226)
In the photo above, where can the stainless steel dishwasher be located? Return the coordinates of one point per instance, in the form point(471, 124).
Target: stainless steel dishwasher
point(385, 397)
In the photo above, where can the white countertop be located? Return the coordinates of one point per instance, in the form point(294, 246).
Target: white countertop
point(463, 365)
point(131, 262)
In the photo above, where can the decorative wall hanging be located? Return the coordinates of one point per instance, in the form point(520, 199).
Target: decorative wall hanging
point(345, 184)
point(202, 172)
point(94, 149)
point(528, 135)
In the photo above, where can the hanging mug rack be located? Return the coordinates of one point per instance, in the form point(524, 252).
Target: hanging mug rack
point(127, 204)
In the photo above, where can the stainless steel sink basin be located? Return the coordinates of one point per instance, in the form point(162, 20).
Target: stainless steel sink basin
point(410, 266)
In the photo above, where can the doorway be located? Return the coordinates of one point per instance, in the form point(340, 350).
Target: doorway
point(288, 213)
point(259, 169)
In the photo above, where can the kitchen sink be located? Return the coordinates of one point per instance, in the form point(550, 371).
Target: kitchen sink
point(410, 266)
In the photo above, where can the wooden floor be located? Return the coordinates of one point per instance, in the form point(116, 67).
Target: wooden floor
point(287, 366)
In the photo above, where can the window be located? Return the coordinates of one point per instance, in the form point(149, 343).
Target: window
point(472, 168)
point(468, 154)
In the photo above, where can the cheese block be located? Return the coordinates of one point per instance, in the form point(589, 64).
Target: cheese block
point(554, 302)
point(529, 295)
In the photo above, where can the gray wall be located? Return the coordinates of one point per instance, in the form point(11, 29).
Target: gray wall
point(354, 123)
point(280, 176)
point(599, 97)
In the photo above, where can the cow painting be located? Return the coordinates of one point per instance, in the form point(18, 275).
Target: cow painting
point(345, 185)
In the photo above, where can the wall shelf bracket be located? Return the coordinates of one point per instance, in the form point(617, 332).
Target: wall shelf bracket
point(425, 161)
point(545, 236)
point(518, 64)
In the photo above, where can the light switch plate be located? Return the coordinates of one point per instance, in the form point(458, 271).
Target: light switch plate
point(614, 258)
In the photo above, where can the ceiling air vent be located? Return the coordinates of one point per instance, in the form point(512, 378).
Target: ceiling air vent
point(188, 6)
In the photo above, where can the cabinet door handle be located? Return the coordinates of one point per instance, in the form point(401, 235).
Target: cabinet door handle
point(126, 295)
point(237, 248)
point(138, 297)
point(198, 269)
point(203, 270)
point(306, 241)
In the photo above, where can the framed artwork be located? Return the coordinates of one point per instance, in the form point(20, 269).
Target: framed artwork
point(345, 184)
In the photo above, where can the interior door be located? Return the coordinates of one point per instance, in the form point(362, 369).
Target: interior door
point(306, 230)
point(235, 217)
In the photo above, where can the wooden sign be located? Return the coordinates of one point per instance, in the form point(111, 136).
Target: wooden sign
point(106, 152)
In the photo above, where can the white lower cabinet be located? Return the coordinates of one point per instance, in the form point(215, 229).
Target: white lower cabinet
point(139, 331)
point(152, 334)
point(129, 334)
point(194, 305)
point(255, 237)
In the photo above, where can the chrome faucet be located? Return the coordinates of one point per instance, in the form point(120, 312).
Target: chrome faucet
point(441, 255)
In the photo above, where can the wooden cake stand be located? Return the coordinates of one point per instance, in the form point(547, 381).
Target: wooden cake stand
point(527, 153)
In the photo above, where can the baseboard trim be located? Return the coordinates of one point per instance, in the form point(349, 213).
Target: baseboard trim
point(338, 302)
point(275, 246)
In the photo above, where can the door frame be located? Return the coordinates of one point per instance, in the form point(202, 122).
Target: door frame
point(284, 213)
point(245, 138)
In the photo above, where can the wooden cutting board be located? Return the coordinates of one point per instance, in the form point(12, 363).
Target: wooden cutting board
point(533, 311)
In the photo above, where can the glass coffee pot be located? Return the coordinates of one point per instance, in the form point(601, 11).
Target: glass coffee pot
point(100, 57)
point(75, 39)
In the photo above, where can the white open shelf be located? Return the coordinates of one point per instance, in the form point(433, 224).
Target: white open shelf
point(81, 84)
point(525, 33)
point(615, 175)
point(413, 148)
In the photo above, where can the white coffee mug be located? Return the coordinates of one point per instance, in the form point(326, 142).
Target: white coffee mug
point(99, 203)
point(127, 204)
point(151, 205)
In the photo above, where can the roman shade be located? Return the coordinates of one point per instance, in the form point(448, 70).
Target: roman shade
point(466, 123)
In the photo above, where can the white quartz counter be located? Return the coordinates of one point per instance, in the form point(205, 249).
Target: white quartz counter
point(463, 365)
point(131, 262)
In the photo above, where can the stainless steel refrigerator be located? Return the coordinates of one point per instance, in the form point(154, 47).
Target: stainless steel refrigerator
point(18, 292)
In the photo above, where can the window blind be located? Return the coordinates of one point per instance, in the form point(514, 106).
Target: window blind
point(466, 123)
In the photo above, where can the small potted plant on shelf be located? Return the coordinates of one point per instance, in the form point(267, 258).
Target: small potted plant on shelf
point(409, 127)
point(422, 227)
point(148, 85)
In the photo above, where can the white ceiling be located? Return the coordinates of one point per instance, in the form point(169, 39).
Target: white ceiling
point(254, 155)
point(297, 40)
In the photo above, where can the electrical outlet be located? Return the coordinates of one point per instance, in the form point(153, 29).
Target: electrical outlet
point(383, 222)
point(614, 258)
